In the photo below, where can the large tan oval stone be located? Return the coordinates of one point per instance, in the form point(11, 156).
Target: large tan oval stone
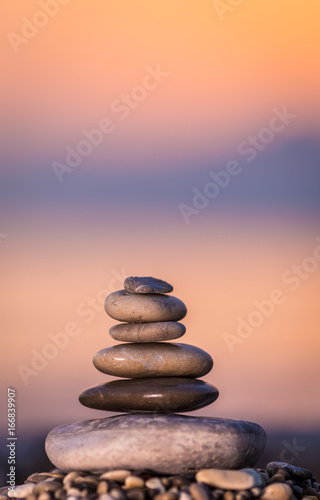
point(139, 308)
point(153, 359)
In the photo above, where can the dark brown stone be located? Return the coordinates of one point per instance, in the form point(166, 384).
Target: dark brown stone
point(153, 359)
point(150, 394)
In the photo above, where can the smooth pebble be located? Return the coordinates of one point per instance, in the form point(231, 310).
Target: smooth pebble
point(150, 394)
point(147, 332)
point(146, 284)
point(21, 491)
point(153, 359)
point(277, 491)
point(139, 308)
point(118, 476)
point(227, 479)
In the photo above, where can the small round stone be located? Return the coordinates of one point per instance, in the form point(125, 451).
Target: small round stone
point(139, 308)
point(133, 482)
point(147, 332)
point(277, 478)
point(146, 284)
point(74, 492)
point(227, 479)
point(150, 394)
point(155, 484)
point(228, 495)
point(297, 491)
point(46, 496)
point(184, 496)
point(21, 491)
point(135, 494)
point(297, 472)
point(166, 444)
point(153, 359)
point(119, 476)
point(277, 491)
point(102, 488)
point(199, 492)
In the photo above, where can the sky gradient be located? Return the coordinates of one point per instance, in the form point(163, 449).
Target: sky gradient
point(172, 94)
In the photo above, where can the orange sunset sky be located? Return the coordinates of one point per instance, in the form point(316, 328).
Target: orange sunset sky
point(68, 240)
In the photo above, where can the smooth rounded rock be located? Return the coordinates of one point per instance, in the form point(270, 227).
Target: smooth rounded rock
point(227, 479)
point(153, 359)
point(168, 444)
point(139, 308)
point(134, 482)
point(277, 491)
point(199, 492)
point(150, 394)
point(118, 476)
point(298, 472)
point(21, 491)
point(146, 284)
point(155, 483)
point(147, 332)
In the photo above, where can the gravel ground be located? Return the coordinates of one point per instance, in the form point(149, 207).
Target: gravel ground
point(278, 481)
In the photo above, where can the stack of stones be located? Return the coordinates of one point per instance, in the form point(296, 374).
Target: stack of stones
point(160, 379)
point(160, 376)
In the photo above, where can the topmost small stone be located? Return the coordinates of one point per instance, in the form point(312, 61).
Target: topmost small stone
point(146, 284)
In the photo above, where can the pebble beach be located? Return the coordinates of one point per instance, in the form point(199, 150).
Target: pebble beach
point(278, 481)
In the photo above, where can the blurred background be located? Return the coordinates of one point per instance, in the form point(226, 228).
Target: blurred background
point(185, 87)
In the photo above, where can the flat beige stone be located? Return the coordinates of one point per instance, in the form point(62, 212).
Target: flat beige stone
point(153, 359)
point(139, 308)
point(147, 332)
point(227, 479)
